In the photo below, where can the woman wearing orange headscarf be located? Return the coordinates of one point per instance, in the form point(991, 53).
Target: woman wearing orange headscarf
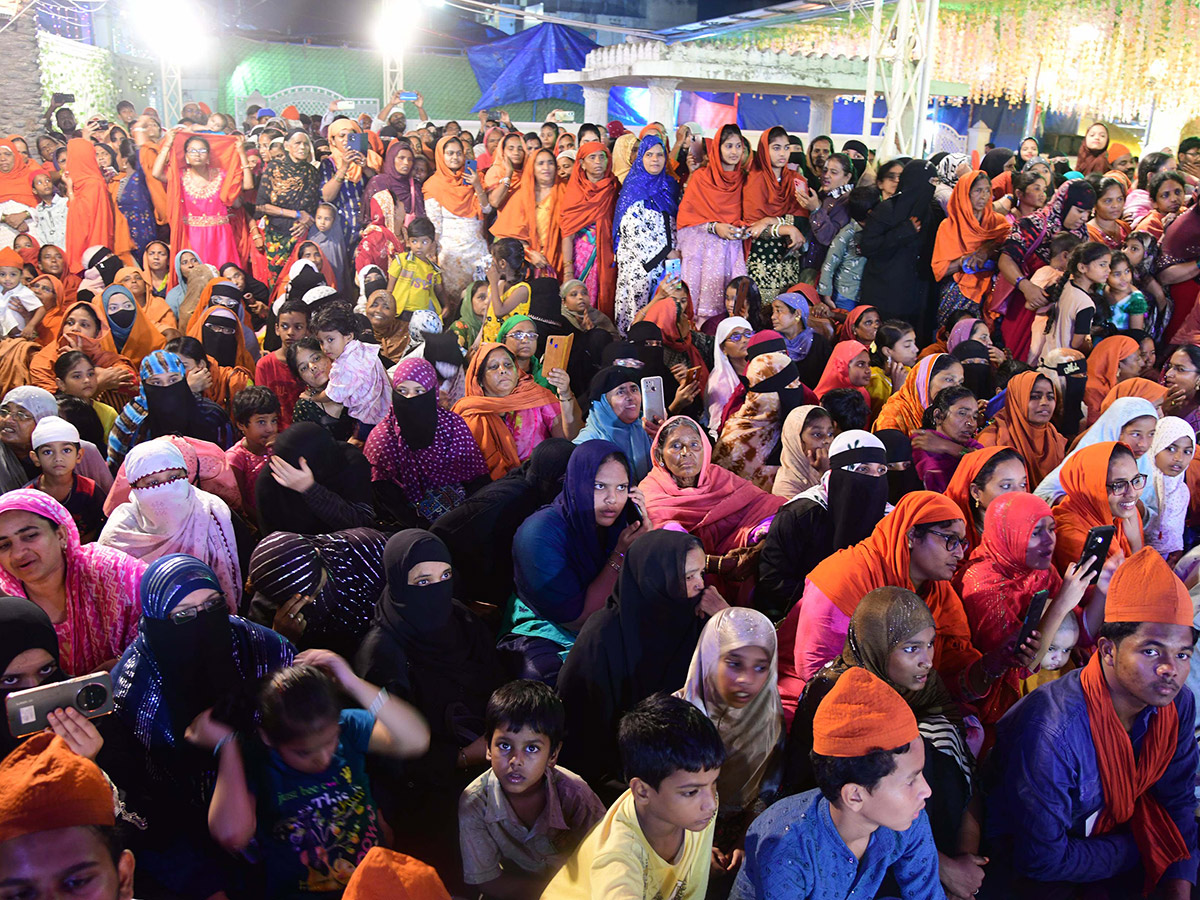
point(1087, 477)
point(711, 225)
point(918, 547)
point(154, 308)
point(1136, 387)
point(981, 476)
point(904, 410)
point(770, 207)
point(230, 366)
point(969, 237)
point(1025, 425)
point(128, 327)
point(587, 205)
point(83, 327)
point(532, 216)
point(508, 412)
point(503, 177)
point(16, 190)
point(89, 205)
point(455, 201)
point(1114, 359)
point(344, 176)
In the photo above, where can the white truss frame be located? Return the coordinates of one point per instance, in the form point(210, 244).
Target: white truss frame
point(899, 67)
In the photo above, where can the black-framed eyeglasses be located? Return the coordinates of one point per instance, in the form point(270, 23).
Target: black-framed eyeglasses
point(953, 541)
point(1137, 482)
point(187, 615)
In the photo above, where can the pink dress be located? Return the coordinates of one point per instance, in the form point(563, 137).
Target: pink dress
point(206, 220)
point(530, 427)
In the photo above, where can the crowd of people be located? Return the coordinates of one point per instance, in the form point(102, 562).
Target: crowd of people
point(591, 513)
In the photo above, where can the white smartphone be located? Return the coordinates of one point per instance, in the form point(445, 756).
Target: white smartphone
point(654, 406)
point(344, 105)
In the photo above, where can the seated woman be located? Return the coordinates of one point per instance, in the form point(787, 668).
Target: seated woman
point(905, 409)
point(317, 590)
point(616, 416)
point(190, 657)
point(424, 460)
point(952, 419)
point(640, 643)
point(733, 680)
point(840, 510)
point(89, 592)
point(1113, 360)
point(81, 329)
point(804, 455)
point(520, 335)
point(981, 477)
point(309, 363)
point(1025, 424)
point(890, 635)
point(479, 533)
point(566, 557)
point(730, 361)
point(313, 484)
point(749, 445)
point(1137, 387)
point(509, 414)
point(166, 405)
point(207, 468)
point(687, 489)
point(917, 547)
point(849, 366)
point(1012, 563)
point(1102, 484)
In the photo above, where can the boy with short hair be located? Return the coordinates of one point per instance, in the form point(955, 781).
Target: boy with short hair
point(655, 841)
point(302, 785)
point(357, 379)
point(271, 370)
point(20, 309)
point(48, 219)
point(414, 278)
point(56, 451)
point(867, 815)
point(520, 820)
point(256, 415)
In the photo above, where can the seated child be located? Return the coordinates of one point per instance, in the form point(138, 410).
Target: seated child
point(271, 370)
point(655, 841)
point(56, 451)
point(48, 219)
point(866, 816)
point(301, 786)
point(326, 233)
point(577, 308)
point(20, 309)
point(841, 273)
point(1127, 305)
point(949, 424)
point(414, 278)
point(256, 415)
point(847, 409)
point(1058, 655)
point(357, 379)
point(76, 376)
point(1061, 246)
point(520, 820)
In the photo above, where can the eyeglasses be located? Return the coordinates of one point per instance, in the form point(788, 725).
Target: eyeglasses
point(1137, 482)
point(876, 470)
point(1171, 367)
point(522, 335)
point(738, 336)
point(195, 151)
point(953, 541)
point(186, 615)
point(19, 414)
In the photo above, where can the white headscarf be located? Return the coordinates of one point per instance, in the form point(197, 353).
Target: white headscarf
point(1164, 528)
point(174, 517)
point(724, 380)
point(751, 734)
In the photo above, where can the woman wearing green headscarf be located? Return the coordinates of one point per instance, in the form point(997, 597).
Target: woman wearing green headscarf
point(519, 334)
point(471, 312)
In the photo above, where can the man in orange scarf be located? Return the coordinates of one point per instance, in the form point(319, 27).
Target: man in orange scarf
point(1094, 773)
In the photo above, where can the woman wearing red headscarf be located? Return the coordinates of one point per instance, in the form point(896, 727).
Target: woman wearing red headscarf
point(586, 208)
point(455, 202)
point(532, 215)
point(711, 224)
point(770, 207)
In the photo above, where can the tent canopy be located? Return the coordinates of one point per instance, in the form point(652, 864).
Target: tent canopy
point(510, 70)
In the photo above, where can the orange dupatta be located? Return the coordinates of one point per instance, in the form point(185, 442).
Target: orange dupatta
point(959, 489)
point(1084, 478)
point(89, 211)
point(962, 234)
point(155, 309)
point(195, 329)
point(1135, 387)
point(448, 188)
point(519, 216)
point(1102, 368)
point(17, 184)
point(764, 196)
point(904, 410)
point(484, 415)
point(584, 203)
point(1041, 446)
point(143, 338)
point(223, 156)
point(882, 559)
point(712, 194)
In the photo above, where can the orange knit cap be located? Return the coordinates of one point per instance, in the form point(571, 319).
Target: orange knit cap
point(387, 875)
point(10, 257)
point(1144, 589)
point(45, 785)
point(860, 715)
point(290, 112)
point(1116, 151)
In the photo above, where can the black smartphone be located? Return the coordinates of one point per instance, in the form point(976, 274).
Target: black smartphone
point(357, 141)
point(1033, 616)
point(1098, 541)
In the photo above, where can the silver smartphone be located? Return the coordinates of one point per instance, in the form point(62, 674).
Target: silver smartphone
point(653, 404)
point(91, 694)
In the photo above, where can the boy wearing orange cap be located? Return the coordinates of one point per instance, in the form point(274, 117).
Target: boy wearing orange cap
point(1092, 777)
point(57, 826)
point(867, 815)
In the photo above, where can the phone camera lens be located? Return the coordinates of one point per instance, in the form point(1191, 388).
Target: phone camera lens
point(91, 697)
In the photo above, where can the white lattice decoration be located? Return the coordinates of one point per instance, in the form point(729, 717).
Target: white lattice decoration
point(313, 100)
point(947, 140)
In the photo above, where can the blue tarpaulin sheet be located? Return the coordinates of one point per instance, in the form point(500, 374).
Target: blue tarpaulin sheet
point(510, 70)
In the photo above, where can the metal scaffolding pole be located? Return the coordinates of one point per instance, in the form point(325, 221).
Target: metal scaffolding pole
point(392, 48)
point(172, 91)
point(900, 68)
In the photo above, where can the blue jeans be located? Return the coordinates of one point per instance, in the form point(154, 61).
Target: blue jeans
point(845, 303)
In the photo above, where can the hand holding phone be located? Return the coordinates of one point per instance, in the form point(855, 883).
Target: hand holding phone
point(1096, 547)
point(654, 405)
point(1033, 617)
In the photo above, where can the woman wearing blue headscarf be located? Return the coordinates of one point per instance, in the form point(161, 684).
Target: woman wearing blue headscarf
point(567, 556)
point(616, 415)
point(643, 229)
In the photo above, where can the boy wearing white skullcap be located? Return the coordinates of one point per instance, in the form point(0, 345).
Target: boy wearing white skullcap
point(56, 451)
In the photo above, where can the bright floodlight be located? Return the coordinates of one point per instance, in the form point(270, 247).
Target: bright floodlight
point(172, 28)
point(395, 24)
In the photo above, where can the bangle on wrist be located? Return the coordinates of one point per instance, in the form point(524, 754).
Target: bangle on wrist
point(222, 742)
point(378, 702)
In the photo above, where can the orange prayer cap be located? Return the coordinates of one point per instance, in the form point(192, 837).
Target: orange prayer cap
point(1116, 151)
point(860, 715)
point(204, 108)
point(10, 257)
point(290, 112)
point(386, 875)
point(1144, 589)
point(45, 785)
